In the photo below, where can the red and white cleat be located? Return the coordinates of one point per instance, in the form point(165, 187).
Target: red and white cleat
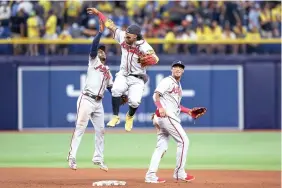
point(188, 178)
point(159, 180)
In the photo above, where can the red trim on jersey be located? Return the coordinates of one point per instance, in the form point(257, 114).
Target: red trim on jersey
point(182, 147)
point(127, 62)
point(130, 49)
point(177, 102)
point(173, 79)
point(131, 62)
point(75, 123)
point(137, 52)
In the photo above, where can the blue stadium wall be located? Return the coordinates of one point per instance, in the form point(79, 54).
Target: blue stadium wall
point(240, 91)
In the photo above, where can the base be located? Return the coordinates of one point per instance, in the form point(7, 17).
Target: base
point(109, 183)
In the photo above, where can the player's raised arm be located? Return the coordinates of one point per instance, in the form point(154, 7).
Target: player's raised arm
point(96, 40)
point(108, 22)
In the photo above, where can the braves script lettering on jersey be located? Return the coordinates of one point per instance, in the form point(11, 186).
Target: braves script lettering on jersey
point(130, 66)
point(98, 77)
point(89, 106)
point(170, 92)
point(130, 79)
point(131, 53)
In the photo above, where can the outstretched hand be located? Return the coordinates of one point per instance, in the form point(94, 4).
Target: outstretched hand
point(92, 11)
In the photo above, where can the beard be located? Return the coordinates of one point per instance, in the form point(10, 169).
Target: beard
point(102, 58)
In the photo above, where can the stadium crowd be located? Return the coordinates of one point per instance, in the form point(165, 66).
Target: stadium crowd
point(168, 20)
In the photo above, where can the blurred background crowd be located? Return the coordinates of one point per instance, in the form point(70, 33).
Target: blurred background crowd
point(168, 20)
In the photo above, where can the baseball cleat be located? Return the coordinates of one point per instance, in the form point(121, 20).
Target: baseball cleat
point(188, 178)
point(101, 165)
point(128, 122)
point(72, 163)
point(114, 121)
point(159, 180)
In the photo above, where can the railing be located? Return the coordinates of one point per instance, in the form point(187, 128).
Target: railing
point(149, 40)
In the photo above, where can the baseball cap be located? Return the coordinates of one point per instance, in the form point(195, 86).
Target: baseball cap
point(178, 62)
point(134, 29)
point(102, 47)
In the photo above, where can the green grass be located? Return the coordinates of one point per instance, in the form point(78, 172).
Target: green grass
point(245, 151)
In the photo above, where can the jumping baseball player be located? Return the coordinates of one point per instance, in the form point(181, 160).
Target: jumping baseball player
point(167, 97)
point(89, 103)
point(137, 54)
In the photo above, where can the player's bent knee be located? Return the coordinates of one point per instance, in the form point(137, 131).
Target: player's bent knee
point(184, 142)
point(116, 92)
point(161, 150)
point(100, 132)
point(133, 103)
point(81, 124)
point(162, 147)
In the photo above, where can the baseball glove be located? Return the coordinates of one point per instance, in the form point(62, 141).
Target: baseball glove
point(124, 99)
point(146, 60)
point(197, 112)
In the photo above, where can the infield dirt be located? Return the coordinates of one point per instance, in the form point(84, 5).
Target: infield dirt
point(82, 178)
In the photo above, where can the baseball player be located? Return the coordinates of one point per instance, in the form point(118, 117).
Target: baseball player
point(89, 103)
point(137, 54)
point(167, 97)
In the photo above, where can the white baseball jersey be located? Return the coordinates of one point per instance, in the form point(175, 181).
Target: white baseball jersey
point(171, 94)
point(130, 53)
point(98, 77)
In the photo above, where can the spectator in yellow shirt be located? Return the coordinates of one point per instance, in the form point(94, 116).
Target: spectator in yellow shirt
point(65, 35)
point(265, 21)
point(216, 34)
point(46, 4)
point(229, 35)
point(240, 32)
point(50, 31)
point(72, 8)
point(133, 6)
point(276, 13)
point(169, 46)
point(203, 33)
point(251, 37)
point(33, 33)
point(105, 6)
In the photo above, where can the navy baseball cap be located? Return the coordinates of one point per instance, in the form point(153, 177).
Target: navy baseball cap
point(134, 29)
point(102, 47)
point(178, 62)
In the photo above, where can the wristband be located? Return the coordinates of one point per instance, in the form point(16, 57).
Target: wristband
point(102, 17)
point(183, 109)
point(158, 104)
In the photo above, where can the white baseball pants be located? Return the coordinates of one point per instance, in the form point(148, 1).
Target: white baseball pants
point(133, 85)
point(88, 108)
point(169, 127)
